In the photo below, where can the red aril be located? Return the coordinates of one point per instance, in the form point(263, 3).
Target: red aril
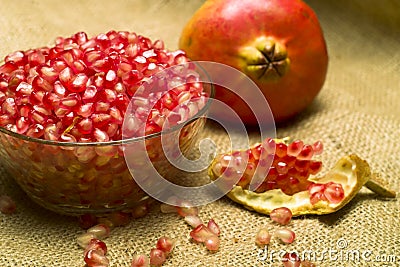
point(281, 215)
point(157, 257)
point(263, 237)
point(287, 236)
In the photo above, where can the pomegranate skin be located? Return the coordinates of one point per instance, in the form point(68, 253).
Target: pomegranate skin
point(221, 30)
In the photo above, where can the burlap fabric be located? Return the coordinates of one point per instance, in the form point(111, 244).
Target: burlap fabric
point(357, 111)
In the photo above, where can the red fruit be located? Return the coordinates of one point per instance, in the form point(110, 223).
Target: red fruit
point(257, 38)
point(281, 215)
point(165, 244)
point(334, 192)
point(287, 236)
point(96, 258)
point(214, 228)
point(96, 244)
point(157, 257)
point(263, 237)
point(201, 233)
point(212, 243)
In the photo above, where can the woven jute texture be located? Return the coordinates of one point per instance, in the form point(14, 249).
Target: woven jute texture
point(357, 111)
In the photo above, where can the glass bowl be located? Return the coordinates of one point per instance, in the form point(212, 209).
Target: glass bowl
point(90, 178)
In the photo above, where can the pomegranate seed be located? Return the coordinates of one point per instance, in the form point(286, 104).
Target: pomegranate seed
point(36, 57)
point(291, 260)
point(157, 257)
point(17, 58)
point(140, 260)
point(96, 244)
point(193, 220)
point(24, 88)
point(306, 153)
point(7, 205)
point(100, 231)
point(35, 131)
point(295, 148)
point(334, 192)
point(282, 167)
point(316, 197)
point(100, 135)
point(281, 215)
point(201, 233)
point(165, 244)
point(9, 107)
point(214, 228)
point(8, 67)
point(318, 148)
point(96, 258)
point(281, 150)
point(22, 125)
point(285, 235)
point(5, 120)
point(78, 83)
point(263, 237)
point(315, 167)
point(212, 243)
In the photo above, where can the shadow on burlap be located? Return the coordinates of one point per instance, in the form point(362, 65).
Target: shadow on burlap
point(356, 112)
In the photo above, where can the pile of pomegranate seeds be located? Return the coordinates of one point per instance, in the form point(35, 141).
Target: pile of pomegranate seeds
point(79, 89)
point(7, 205)
point(280, 166)
point(291, 165)
point(331, 192)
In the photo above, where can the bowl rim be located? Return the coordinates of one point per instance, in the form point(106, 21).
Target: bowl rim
point(199, 114)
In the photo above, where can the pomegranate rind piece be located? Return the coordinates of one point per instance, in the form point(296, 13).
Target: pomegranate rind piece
point(351, 172)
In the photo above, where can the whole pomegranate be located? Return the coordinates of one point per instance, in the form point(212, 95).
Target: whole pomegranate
point(279, 44)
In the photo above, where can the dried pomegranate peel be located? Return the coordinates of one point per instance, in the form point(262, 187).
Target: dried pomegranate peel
point(309, 194)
